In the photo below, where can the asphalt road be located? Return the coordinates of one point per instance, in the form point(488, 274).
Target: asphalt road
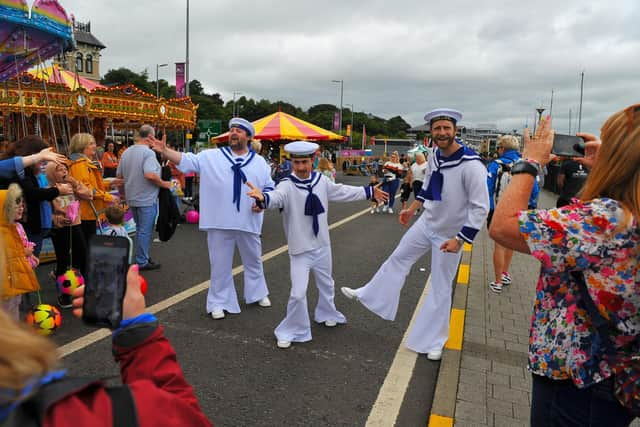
point(239, 375)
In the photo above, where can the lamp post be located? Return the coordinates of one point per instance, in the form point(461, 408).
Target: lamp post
point(351, 133)
point(341, 93)
point(157, 81)
point(234, 102)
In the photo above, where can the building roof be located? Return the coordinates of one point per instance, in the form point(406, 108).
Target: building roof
point(87, 38)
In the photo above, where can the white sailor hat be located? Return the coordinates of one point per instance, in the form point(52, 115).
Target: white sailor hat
point(247, 126)
point(443, 114)
point(301, 148)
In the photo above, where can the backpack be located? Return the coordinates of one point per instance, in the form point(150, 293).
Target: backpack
point(503, 178)
point(32, 411)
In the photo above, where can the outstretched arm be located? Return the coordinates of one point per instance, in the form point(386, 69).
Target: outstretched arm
point(160, 146)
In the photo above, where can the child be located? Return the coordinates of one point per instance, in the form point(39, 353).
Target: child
point(373, 181)
point(18, 260)
point(115, 216)
point(405, 189)
point(305, 197)
point(66, 235)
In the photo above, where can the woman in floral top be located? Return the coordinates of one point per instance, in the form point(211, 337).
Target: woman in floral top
point(598, 235)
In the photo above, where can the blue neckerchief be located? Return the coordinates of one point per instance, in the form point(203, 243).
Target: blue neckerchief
point(312, 206)
point(17, 398)
point(434, 188)
point(239, 177)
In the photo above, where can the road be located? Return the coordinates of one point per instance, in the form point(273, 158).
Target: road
point(239, 375)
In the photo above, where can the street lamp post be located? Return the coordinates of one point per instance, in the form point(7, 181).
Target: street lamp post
point(351, 133)
point(157, 81)
point(234, 102)
point(341, 94)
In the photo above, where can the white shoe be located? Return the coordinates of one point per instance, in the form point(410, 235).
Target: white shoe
point(217, 314)
point(283, 344)
point(330, 323)
point(434, 355)
point(378, 210)
point(349, 293)
point(390, 211)
point(384, 208)
point(265, 302)
point(372, 211)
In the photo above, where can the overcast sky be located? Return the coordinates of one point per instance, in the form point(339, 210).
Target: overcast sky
point(496, 61)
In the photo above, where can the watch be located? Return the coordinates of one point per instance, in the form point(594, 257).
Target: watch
point(523, 166)
point(459, 240)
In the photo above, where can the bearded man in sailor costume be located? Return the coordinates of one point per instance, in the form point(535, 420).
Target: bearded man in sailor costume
point(455, 201)
point(304, 198)
point(226, 214)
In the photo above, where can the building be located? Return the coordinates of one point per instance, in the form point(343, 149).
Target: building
point(85, 59)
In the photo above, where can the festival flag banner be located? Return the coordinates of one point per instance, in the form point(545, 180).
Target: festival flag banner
point(336, 121)
point(372, 141)
point(348, 130)
point(181, 90)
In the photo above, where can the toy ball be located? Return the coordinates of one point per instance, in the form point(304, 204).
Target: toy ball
point(44, 318)
point(143, 284)
point(193, 217)
point(69, 281)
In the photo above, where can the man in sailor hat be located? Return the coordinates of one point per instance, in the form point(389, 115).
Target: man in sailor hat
point(226, 214)
point(304, 197)
point(455, 200)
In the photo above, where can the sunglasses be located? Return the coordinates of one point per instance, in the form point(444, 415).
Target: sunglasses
point(19, 200)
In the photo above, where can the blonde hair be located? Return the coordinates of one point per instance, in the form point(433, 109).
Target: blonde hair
point(10, 206)
point(509, 142)
point(615, 173)
point(256, 146)
point(79, 142)
point(323, 164)
point(24, 354)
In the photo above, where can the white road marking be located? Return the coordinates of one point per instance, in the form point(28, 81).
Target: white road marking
point(387, 406)
point(87, 340)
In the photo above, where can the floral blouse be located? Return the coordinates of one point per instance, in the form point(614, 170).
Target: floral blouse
point(592, 237)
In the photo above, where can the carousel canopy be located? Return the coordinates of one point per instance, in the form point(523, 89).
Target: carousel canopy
point(285, 126)
point(27, 39)
point(72, 81)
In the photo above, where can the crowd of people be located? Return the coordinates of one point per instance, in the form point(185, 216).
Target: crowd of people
point(586, 321)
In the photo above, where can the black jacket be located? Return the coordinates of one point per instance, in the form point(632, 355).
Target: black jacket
point(168, 213)
point(33, 195)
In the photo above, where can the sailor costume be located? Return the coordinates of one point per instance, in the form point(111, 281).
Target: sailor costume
point(226, 216)
point(304, 204)
point(455, 203)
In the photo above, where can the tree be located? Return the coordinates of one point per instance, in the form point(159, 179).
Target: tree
point(124, 75)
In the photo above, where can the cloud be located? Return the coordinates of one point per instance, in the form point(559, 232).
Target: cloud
point(495, 60)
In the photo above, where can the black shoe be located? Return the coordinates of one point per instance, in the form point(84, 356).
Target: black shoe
point(64, 301)
point(150, 266)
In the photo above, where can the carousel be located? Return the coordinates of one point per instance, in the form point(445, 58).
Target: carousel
point(55, 103)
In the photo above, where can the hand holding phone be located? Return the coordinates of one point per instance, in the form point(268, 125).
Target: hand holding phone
point(106, 281)
point(133, 304)
point(568, 145)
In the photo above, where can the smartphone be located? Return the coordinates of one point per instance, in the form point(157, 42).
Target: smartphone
point(106, 282)
point(568, 145)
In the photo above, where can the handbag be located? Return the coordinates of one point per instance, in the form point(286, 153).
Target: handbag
point(625, 367)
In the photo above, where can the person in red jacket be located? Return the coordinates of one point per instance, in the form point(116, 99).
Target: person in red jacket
point(148, 367)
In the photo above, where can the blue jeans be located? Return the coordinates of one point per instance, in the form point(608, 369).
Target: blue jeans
point(562, 404)
point(145, 217)
point(391, 187)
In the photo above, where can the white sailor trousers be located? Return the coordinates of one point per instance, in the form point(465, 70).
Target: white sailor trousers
point(296, 325)
point(382, 294)
point(222, 293)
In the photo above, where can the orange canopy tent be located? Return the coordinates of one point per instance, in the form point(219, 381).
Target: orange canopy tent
point(54, 74)
point(281, 125)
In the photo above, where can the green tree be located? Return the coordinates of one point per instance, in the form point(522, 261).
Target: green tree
point(124, 75)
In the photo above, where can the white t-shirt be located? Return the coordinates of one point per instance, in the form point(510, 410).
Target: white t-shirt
point(418, 171)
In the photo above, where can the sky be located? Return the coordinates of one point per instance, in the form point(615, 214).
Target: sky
point(496, 61)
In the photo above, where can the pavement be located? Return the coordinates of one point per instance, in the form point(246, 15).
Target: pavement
point(484, 381)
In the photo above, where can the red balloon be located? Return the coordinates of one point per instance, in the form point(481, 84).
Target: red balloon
point(143, 284)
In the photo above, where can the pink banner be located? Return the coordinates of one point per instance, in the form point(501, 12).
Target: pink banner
point(181, 90)
point(336, 121)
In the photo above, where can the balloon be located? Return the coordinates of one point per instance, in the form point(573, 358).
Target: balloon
point(69, 281)
point(143, 284)
point(193, 217)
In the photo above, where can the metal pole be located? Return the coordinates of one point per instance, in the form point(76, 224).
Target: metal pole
point(157, 79)
point(569, 133)
point(234, 113)
point(186, 64)
point(551, 105)
point(341, 98)
point(580, 111)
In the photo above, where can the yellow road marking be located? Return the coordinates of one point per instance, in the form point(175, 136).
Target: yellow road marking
point(456, 330)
